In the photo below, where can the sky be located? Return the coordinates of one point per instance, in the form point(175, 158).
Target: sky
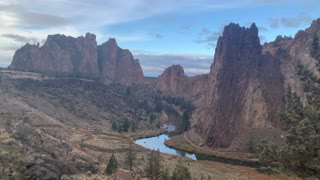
point(159, 33)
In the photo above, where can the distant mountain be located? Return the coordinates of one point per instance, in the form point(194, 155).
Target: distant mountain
point(79, 56)
point(174, 81)
point(237, 103)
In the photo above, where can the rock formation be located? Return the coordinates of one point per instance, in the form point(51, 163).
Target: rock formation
point(174, 81)
point(59, 54)
point(247, 84)
point(81, 57)
point(236, 95)
point(118, 65)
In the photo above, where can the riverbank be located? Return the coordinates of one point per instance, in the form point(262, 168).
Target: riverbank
point(182, 142)
point(199, 168)
point(147, 134)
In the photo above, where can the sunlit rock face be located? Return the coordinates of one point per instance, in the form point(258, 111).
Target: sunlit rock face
point(245, 89)
point(174, 81)
point(118, 65)
point(247, 83)
point(79, 56)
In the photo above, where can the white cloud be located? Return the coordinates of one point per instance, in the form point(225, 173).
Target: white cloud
point(193, 64)
point(291, 22)
point(38, 18)
point(153, 68)
point(196, 71)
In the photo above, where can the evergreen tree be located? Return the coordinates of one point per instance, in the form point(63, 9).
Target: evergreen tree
point(114, 126)
point(134, 126)
point(154, 169)
point(120, 129)
point(130, 156)
point(152, 118)
point(112, 166)
point(128, 92)
point(165, 174)
point(181, 172)
point(315, 49)
point(158, 106)
point(158, 125)
point(301, 149)
point(126, 125)
point(186, 122)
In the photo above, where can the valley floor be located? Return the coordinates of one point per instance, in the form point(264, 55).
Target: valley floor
point(58, 128)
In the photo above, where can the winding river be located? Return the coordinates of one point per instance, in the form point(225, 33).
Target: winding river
point(157, 142)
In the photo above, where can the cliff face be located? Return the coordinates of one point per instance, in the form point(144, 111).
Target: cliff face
point(174, 81)
point(244, 89)
point(79, 56)
point(294, 51)
point(247, 84)
point(59, 54)
point(118, 65)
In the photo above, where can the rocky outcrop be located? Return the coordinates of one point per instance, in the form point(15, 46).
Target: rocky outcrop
point(294, 51)
point(59, 54)
point(244, 89)
point(81, 57)
point(174, 81)
point(118, 65)
point(247, 84)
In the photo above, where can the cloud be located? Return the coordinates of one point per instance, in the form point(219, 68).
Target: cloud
point(157, 35)
point(40, 19)
point(208, 37)
point(188, 25)
point(152, 69)
point(22, 39)
point(6, 55)
point(9, 48)
point(76, 2)
point(295, 22)
point(130, 37)
point(289, 22)
point(274, 22)
point(16, 14)
point(196, 71)
point(263, 29)
point(204, 31)
point(140, 51)
point(4, 61)
point(194, 64)
point(262, 39)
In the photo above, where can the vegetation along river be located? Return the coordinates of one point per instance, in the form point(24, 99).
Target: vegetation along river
point(157, 142)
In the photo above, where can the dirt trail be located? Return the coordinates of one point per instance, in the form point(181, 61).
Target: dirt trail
point(76, 145)
point(124, 175)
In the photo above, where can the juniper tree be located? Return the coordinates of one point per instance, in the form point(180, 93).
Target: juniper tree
point(130, 156)
point(181, 172)
point(112, 166)
point(154, 167)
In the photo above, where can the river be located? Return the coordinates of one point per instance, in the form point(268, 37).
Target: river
point(157, 142)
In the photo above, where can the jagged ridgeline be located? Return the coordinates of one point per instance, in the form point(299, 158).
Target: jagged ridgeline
point(248, 82)
point(81, 57)
point(252, 92)
point(300, 151)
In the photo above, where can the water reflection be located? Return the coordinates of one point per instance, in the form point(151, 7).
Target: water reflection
point(158, 143)
point(169, 127)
